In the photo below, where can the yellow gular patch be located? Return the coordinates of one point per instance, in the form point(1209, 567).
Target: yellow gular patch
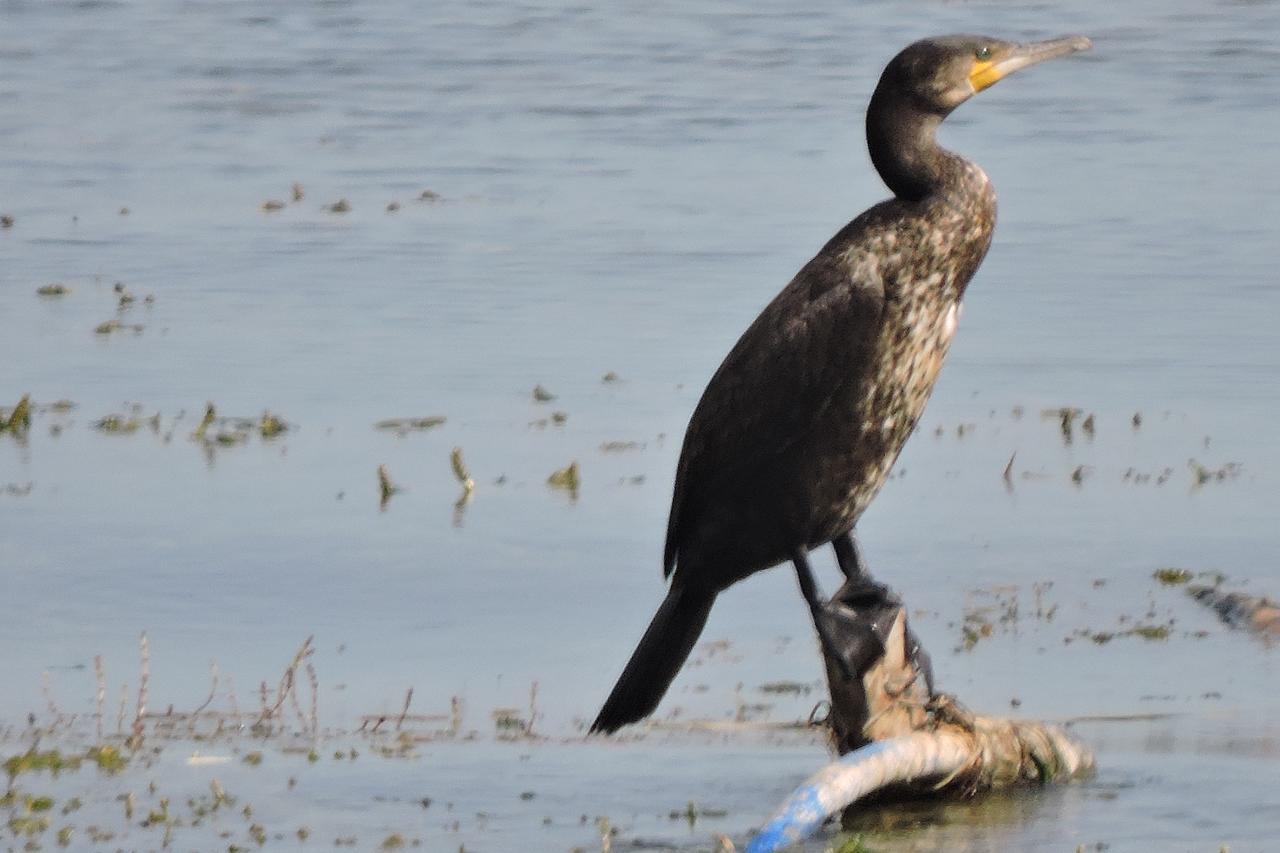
point(983, 74)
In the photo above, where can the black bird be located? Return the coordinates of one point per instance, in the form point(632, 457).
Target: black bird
point(798, 429)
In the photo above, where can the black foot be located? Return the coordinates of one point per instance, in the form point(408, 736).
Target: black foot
point(862, 612)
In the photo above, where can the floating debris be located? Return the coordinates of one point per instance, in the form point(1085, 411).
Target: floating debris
point(299, 193)
point(53, 289)
point(566, 478)
point(558, 418)
point(124, 211)
point(542, 395)
point(6, 221)
point(1252, 612)
point(1137, 420)
point(429, 195)
point(272, 204)
point(339, 206)
point(610, 377)
point(404, 426)
point(392, 207)
point(1088, 426)
point(1078, 475)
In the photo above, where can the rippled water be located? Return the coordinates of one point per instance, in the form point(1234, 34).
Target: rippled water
point(622, 190)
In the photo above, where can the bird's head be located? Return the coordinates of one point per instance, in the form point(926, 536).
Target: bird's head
point(941, 73)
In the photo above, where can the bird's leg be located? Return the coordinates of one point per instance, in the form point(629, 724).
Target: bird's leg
point(809, 589)
point(860, 591)
point(858, 584)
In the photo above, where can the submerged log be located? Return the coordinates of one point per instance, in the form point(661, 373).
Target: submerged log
point(894, 733)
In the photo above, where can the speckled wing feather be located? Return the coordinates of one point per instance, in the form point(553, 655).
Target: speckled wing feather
point(778, 380)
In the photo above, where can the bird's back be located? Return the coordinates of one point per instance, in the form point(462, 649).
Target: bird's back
point(798, 428)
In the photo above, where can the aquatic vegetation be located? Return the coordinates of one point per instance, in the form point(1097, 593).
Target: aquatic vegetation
point(117, 424)
point(210, 415)
point(19, 418)
point(1151, 632)
point(29, 825)
point(1173, 577)
point(386, 488)
point(271, 426)
point(108, 758)
point(620, 446)
point(1203, 475)
point(796, 688)
point(404, 426)
point(566, 478)
point(107, 327)
point(462, 475)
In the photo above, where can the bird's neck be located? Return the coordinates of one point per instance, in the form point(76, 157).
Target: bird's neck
point(902, 140)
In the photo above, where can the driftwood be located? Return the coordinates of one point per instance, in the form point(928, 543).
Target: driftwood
point(895, 734)
point(1254, 613)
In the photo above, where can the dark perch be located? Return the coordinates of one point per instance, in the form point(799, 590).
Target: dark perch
point(894, 733)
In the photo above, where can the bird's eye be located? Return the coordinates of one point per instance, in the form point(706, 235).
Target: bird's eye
point(983, 53)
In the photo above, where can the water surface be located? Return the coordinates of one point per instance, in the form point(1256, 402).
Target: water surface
point(622, 190)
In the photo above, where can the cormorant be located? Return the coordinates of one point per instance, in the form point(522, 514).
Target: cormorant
point(798, 429)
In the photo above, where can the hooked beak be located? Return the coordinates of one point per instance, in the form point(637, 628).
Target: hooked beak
point(986, 73)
